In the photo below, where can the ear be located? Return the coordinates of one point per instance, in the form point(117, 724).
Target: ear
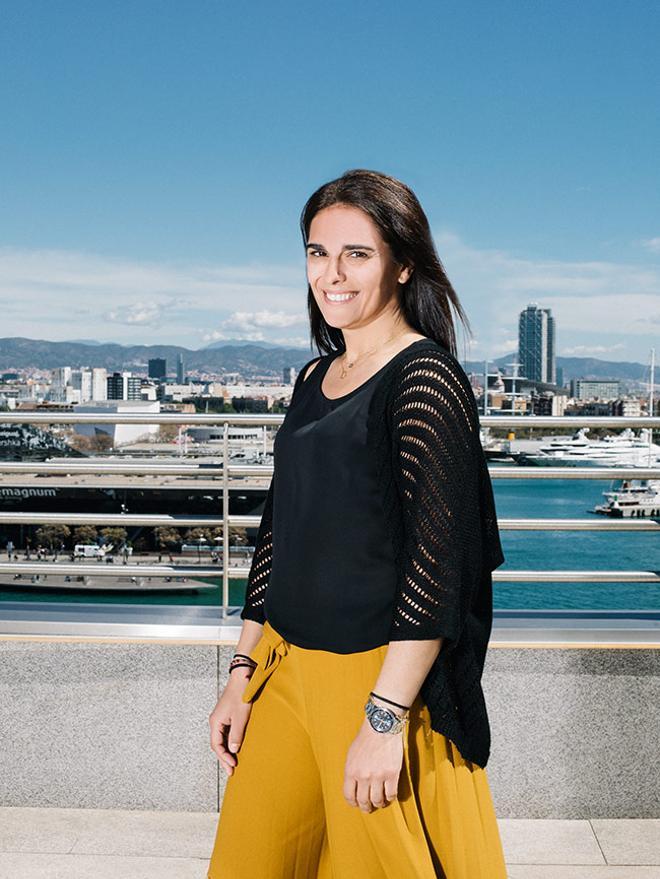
point(405, 274)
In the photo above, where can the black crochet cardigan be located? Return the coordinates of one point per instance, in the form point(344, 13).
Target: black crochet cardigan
point(423, 429)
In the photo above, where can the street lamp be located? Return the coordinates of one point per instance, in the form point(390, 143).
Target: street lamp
point(201, 541)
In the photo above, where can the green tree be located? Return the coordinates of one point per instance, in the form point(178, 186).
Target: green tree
point(167, 433)
point(167, 537)
point(85, 534)
point(238, 535)
point(193, 535)
point(115, 536)
point(53, 535)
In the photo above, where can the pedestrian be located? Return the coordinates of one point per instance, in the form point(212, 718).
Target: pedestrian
point(353, 726)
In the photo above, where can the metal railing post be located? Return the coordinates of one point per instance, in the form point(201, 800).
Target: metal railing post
point(225, 521)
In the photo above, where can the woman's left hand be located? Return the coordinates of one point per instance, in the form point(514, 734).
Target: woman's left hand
point(373, 765)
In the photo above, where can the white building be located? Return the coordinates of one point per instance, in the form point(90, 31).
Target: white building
point(60, 381)
point(78, 385)
point(81, 381)
point(178, 392)
point(120, 433)
point(237, 435)
point(99, 383)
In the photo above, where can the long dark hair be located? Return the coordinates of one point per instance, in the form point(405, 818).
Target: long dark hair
point(427, 295)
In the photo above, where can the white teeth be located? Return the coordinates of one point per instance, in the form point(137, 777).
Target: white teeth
point(340, 297)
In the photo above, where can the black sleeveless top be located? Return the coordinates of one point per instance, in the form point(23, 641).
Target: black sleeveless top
point(333, 580)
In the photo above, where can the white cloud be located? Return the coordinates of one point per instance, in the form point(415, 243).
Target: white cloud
point(591, 350)
point(249, 325)
point(247, 319)
point(294, 342)
point(51, 293)
point(219, 336)
point(506, 346)
point(652, 244)
point(151, 313)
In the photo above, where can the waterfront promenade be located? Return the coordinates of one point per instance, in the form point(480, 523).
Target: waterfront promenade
point(38, 843)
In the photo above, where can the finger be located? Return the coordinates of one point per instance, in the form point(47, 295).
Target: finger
point(227, 762)
point(362, 796)
point(349, 790)
point(234, 739)
point(391, 789)
point(217, 734)
point(218, 743)
point(235, 736)
point(377, 794)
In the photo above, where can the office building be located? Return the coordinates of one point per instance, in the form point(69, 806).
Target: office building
point(99, 383)
point(157, 368)
point(81, 382)
point(124, 386)
point(536, 344)
point(590, 389)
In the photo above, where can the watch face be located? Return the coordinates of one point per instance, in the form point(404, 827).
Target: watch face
point(381, 720)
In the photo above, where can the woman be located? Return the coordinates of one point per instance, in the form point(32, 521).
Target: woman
point(353, 727)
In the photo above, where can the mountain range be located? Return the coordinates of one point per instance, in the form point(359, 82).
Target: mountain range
point(249, 358)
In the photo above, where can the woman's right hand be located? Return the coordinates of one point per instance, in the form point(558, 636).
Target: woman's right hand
point(229, 718)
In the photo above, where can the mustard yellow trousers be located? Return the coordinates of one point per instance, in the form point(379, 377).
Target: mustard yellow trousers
point(284, 815)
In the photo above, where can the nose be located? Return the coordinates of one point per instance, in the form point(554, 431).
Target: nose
point(333, 270)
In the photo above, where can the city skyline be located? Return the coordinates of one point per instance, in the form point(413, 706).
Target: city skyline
point(156, 164)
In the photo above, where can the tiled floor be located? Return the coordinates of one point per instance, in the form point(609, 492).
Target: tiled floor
point(99, 844)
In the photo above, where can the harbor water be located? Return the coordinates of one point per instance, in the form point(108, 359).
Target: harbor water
point(570, 550)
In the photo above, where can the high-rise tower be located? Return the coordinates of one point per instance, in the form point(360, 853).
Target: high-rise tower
point(536, 344)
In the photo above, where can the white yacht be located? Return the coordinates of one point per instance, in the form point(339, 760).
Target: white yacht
point(631, 499)
point(494, 447)
point(625, 449)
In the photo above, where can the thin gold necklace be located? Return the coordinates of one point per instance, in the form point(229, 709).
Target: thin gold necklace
point(343, 373)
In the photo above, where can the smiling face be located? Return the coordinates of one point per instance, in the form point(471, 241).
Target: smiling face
point(350, 267)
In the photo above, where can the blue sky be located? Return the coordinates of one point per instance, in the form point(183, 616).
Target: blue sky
point(155, 157)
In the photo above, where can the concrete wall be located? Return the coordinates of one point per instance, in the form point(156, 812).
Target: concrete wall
point(125, 725)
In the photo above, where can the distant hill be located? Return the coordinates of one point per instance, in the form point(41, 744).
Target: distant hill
point(248, 358)
point(582, 367)
point(84, 342)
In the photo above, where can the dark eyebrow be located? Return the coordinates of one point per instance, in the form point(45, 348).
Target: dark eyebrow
point(345, 247)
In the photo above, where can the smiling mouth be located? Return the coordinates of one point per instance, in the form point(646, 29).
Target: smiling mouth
point(338, 298)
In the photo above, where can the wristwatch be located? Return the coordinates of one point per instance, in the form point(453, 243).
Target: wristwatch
point(382, 719)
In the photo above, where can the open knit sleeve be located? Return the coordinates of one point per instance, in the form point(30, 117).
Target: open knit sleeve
point(262, 560)
point(435, 443)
